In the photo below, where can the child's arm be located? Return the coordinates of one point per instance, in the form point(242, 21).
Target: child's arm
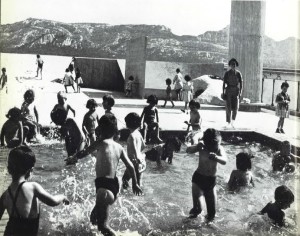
point(82, 154)
point(2, 135)
point(2, 207)
point(72, 110)
point(295, 158)
point(84, 126)
point(194, 148)
point(222, 159)
point(156, 113)
point(36, 114)
point(142, 116)
point(21, 134)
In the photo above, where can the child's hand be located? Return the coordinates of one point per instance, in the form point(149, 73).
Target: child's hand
point(186, 122)
point(212, 156)
point(137, 190)
point(66, 201)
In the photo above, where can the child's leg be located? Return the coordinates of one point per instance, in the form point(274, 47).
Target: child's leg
point(73, 87)
point(172, 102)
point(282, 122)
point(196, 193)
point(210, 199)
point(145, 131)
point(156, 126)
point(66, 88)
point(165, 103)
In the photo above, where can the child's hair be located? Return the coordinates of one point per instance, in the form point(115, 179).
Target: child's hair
point(61, 95)
point(168, 81)
point(91, 103)
point(285, 144)
point(285, 84)
point(20, 160)
point(14, 113)
point(175, 141)
point(233, 60)
point(4, 69)
point(152, 99)
point(177, 70)
point(211, 139)
point(67, 70)
point(194, 103)
point(133, 120)
point(109, 99)
point(187, 78)
point(284, 195)
point(243, 161)
point(130, 78)
point(108, 126)
point(38, 56)
point(29, 94)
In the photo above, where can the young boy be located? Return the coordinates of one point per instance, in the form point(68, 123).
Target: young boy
point(108, 103)
point(90, 121)
point(3, 79)
point(168, 93)
point(128, 89)
point(195, 122)
point(40, 63)
point(107, 158)
point(22, 198)
point(60, 111)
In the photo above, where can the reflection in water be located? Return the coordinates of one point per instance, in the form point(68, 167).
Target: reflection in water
point(167, 199)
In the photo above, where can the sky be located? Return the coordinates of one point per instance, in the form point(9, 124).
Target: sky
point(183, 17)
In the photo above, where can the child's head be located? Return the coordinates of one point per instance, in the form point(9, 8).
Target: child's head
point(29, 96)
point(177, 70)
point(152, 100)
point(168, 81)
point(284, 86)
point(38, 56)
point(133, 120)
point(285, 148)
point(91, 104)
point(173, 143)
point(14, 114)
point(3, 69)
point(187, 78)
point(194, 104)
point(67, 70)
point(243, 161)
point(233, 63)
point(130, 78)
point(108, 101)
point(108, 126)
point(212, 139)
point(61, 98)
point(21, 160)
point(284, 196)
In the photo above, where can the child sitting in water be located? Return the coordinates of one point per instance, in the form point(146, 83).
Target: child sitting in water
point(13, 130)
point(135, 146)
point(195, 122)
point(60, 111)
point(107, 158)
point(283, 199)
point(243, 175)
point(22, 198)
point(284, 160)
point(90, 121)
point(204, 179)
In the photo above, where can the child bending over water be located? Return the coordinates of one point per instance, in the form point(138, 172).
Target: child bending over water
point(107, 158)
point(90, 121)
point(243, 175)
point(22, 198)
point(204, 179)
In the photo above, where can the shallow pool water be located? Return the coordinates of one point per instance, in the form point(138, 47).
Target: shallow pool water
point(164, 207)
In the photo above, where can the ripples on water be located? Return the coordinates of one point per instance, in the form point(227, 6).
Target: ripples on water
point(167, 199)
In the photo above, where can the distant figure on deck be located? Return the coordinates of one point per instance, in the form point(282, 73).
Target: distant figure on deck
point(60, 111)
point(128, 90)
point(178, 84)
point(78, 79)
point(68, 80)
point(3, 79)
point(282, 109)
point(71, 66)
point(187, 91)
point(40, 63)
point(168, 93)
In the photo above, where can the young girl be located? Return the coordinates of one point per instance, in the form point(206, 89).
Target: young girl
point(22, 198)
point(128, 89)
point(68, 80)
point(90, 121)
point(282, 109)
point(195, 122)
point(168, 93)
point(30, 115)
point(60, 111)
point(243, 175)
point(204, 179)
point(149, 113)
point(135, 146)
point(187, 91)
point(78, 79)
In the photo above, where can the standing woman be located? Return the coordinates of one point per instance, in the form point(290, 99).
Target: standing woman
point(233, 90)
point(178, 84)
point(72, 65)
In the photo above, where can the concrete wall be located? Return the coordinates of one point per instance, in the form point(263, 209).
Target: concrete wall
point(101, 73)
point(136, 64)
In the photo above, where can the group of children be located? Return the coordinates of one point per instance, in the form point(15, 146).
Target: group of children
point(69, 79)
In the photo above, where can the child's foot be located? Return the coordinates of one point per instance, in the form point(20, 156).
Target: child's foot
point(281, 131)
point(194, 212)
point(93, 216)
point(277, 131)
point(209, 219)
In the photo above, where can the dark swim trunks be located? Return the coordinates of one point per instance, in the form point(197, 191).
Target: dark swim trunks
point(109, 184)
point(206, 183)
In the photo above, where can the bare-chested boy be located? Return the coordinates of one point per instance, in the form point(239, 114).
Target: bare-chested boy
point(107, 158)
point(195, 122)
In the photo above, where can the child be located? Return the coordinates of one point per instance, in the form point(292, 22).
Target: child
point(204, 179)
point(107, 158)
point(284, 160)
point(283, 199)
point(128, 89)
point(195, 122)
point(78, 79)
point(30, 115)
point(178, 84)
point(135, 146)
point(60, 111)
point(108, 103)
point(22, 198)
point(90, 121)
point(72, 65)
point(68, 80)
point(40, 63)
point(243, 175)
point(187, 91)
point(168, 92)
point(164, 151)
point(3, 79)
point(282, 109)
point(13, 130)
point(149, 113)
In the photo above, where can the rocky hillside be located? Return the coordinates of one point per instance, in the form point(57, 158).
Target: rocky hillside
point(109, 41)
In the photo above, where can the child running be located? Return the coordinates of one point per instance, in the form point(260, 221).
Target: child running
point(22, 198)
point(187, 92)
point(204, 179)
point(68, 80)
point(282, 109)
point(90, 121)
point(128, 90)
point(107, 158)
point(135, 146)
point(60, 111)
point(243, 175)
point(78, 79)
point(195, 122)
point(283, 199)
point(168, 93)
point(13, 130)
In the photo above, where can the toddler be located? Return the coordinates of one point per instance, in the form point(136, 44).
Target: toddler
point(3, 79)
point(90, 121)
point(128, 90)
point(168, 92)
point(68, 80)
point(195, 122)
point(282, 109)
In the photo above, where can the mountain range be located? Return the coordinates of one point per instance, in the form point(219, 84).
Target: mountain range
point(39, 36)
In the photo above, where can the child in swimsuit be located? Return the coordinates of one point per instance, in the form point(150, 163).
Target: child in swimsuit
point(243, 175)
point(135, 146)
point(90, 121)
point(22, 198)
point(13, 130)
point(40, 63)
point(168, 93)
point(204, 179)
point(78, 79)
point(107, 158)
point(195, 122)
point(107, 103)
point(60, 111)
point(284, 197)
